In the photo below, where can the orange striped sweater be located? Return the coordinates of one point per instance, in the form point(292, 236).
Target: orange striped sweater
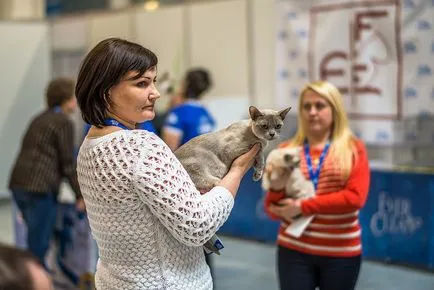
point(335, 230)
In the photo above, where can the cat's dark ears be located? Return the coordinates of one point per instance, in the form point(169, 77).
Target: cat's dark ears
point(283, 112)
point(254, 113)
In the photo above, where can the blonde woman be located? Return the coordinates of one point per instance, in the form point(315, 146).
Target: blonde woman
point(328, 254)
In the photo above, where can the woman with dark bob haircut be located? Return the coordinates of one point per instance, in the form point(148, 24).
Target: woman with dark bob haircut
point(148, 219)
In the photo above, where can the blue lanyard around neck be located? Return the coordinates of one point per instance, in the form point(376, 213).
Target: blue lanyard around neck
point(314, 174)
point(57, 109)
point(113, 122)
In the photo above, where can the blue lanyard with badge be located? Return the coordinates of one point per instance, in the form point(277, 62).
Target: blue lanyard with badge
point(116, 123)
point(314, 174)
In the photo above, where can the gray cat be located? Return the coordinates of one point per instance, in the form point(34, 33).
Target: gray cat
point(207, 158)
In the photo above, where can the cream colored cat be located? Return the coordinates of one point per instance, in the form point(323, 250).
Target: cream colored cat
point(288, 159)
point(297, 186)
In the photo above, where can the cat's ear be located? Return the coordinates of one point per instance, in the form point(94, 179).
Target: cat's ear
point(283, 112)
point(255, 113)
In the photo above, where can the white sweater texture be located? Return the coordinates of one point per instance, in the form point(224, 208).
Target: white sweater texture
point(147, 217)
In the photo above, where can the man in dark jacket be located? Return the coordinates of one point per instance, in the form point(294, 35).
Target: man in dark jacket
point(45, 158)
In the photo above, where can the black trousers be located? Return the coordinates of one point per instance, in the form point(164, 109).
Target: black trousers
point(299, 271)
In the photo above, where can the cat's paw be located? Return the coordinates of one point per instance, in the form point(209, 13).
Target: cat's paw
point(257, 175)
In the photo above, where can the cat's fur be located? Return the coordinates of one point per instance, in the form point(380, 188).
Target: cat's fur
point(288, 159)
point(207, 158)
point(296, 187)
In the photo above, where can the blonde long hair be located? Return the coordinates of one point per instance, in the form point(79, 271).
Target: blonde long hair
point(342, 139)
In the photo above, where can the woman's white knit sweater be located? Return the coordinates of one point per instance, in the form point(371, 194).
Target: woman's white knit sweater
point(147, 217)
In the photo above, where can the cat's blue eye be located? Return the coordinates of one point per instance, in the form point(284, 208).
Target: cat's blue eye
point(278, 126)
point(264, 126)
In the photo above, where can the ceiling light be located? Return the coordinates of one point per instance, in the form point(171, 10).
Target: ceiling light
point(151, 5)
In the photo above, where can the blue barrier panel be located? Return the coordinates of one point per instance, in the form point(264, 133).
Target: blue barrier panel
point(248, 219)
point(396, 219)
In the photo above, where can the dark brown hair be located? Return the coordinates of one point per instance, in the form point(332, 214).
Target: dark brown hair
point(197, 81)
point(58, 91)
point(14, 270)
point(104, 67)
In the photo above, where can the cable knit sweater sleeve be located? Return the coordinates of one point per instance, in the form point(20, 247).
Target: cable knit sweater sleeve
point(164, 185)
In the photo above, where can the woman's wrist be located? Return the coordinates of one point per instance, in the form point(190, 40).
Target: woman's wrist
point(236, 172)
point(231, 181)
point(300, 205)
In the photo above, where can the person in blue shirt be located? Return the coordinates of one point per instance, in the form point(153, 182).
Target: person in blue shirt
point(189, 118)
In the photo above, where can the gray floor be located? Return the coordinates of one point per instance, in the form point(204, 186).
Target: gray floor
point(247, 265)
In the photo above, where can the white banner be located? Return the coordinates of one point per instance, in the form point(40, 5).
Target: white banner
point(380, 54)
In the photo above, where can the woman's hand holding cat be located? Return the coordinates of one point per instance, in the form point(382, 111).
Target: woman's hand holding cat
point(238, 169)
point(286, 208)
point(245, 161)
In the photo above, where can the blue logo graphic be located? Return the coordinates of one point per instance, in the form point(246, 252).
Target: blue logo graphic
point(302, 33)
point(282, 35)
point(410, 93)
point(302, 73)
point(218, 244)
point(411, 136)
point(284, 74)
point(423, 25)
point(382, 135)
point(424, 70)
point(292, 15)
point(293, 54)
point(294, 93)
point(408, 4)
point(409, 47)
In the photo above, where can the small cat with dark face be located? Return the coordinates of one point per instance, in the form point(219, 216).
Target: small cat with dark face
point(208, 158)
point(282, 160)
point(287, 160)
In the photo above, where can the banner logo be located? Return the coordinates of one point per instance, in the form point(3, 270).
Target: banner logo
point(394, 216)
point(362, 56)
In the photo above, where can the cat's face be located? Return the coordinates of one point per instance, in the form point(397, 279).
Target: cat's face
point(284, 158)
point(267, 124)
point(291, 157)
